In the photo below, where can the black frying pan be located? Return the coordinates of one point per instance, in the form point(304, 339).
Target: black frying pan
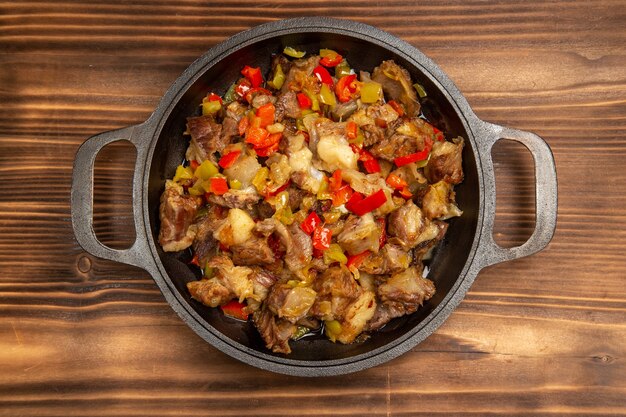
point(467, 248)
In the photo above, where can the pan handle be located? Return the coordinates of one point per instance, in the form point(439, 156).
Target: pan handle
point(82, 198)
point(545, 195)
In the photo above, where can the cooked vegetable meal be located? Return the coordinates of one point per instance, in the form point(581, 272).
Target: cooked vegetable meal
point(311, 198)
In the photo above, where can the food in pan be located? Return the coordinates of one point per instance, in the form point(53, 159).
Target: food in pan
point(311, 198)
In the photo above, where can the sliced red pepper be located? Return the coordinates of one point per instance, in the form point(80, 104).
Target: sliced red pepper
point(243, 87)
point(342, 195)
point(334, 182)
point(405, 193)
point(354, 200)
point(227, 160)
point(219, 185)
point(396, 182)
point(194, 164)
point(383, 235)
point(242, 127)
point(369, 203)
point(194, 260)
point(235, 309)
point(380, 123)
point(357, 260)
point(397, 107)
point(304, 101)
point(266, 114)
point(322, 237)
point(371, 166)
point(268, 150)
point(253, 75)
point(310, 223)
point(414, 157)
point(369, 162)
point(438, 134)
point(351, 130)
point(214, 97)
point(346, 87)
point(323, 75)
point(331, 60)
point(257, 137)
point(280, 189)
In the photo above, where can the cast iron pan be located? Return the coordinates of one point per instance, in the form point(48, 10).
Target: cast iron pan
point(467, 248)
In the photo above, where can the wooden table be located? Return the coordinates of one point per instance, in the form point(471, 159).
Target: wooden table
point(543, 335)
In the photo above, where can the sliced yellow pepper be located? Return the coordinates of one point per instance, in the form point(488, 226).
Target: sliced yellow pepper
point(183, 173)
point(371, 92)
point(206, 170)
point(327, 96)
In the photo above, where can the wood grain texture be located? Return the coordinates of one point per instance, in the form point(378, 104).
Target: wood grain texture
point(544, 335)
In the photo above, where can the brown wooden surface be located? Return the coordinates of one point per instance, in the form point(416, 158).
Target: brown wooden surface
point(544, 335)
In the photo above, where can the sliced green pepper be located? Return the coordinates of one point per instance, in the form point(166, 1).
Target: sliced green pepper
point(334, 253)
point(279, 78)
point(342, 69)
point(420, 90)
point(294, 53)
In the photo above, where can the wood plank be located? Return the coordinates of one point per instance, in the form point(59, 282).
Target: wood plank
point(543, 335)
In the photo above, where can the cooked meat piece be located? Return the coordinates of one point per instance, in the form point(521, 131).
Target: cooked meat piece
point(408, 288)
point(235, 278)
point(406, 224)
point(404, 137)
point(356, 318)
point(438, 201)
point(336, 290)
point(205, 138)
point(204, 244)
point(295, 197)
point(264, 210)
point(229, 130)
point(359, 234)
point(274, 332)
point(262, 281)
point(423, 249)
point(384, 313)
point(236, 110)
point(402, 294)
point(298, 245)
point(290, 303)
point(176, 212)
point(409, 225)
point(240, 199)
point(372, 134)
point(300, 252)
point(341, 111)
point(395, 146)
point(253, 251)
point(287, 106)
point(210, 292)
point(383, 114)
point(300, 75)
point(391, 258)
point(397, 85)
point(261, 99)
point(445, 163)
